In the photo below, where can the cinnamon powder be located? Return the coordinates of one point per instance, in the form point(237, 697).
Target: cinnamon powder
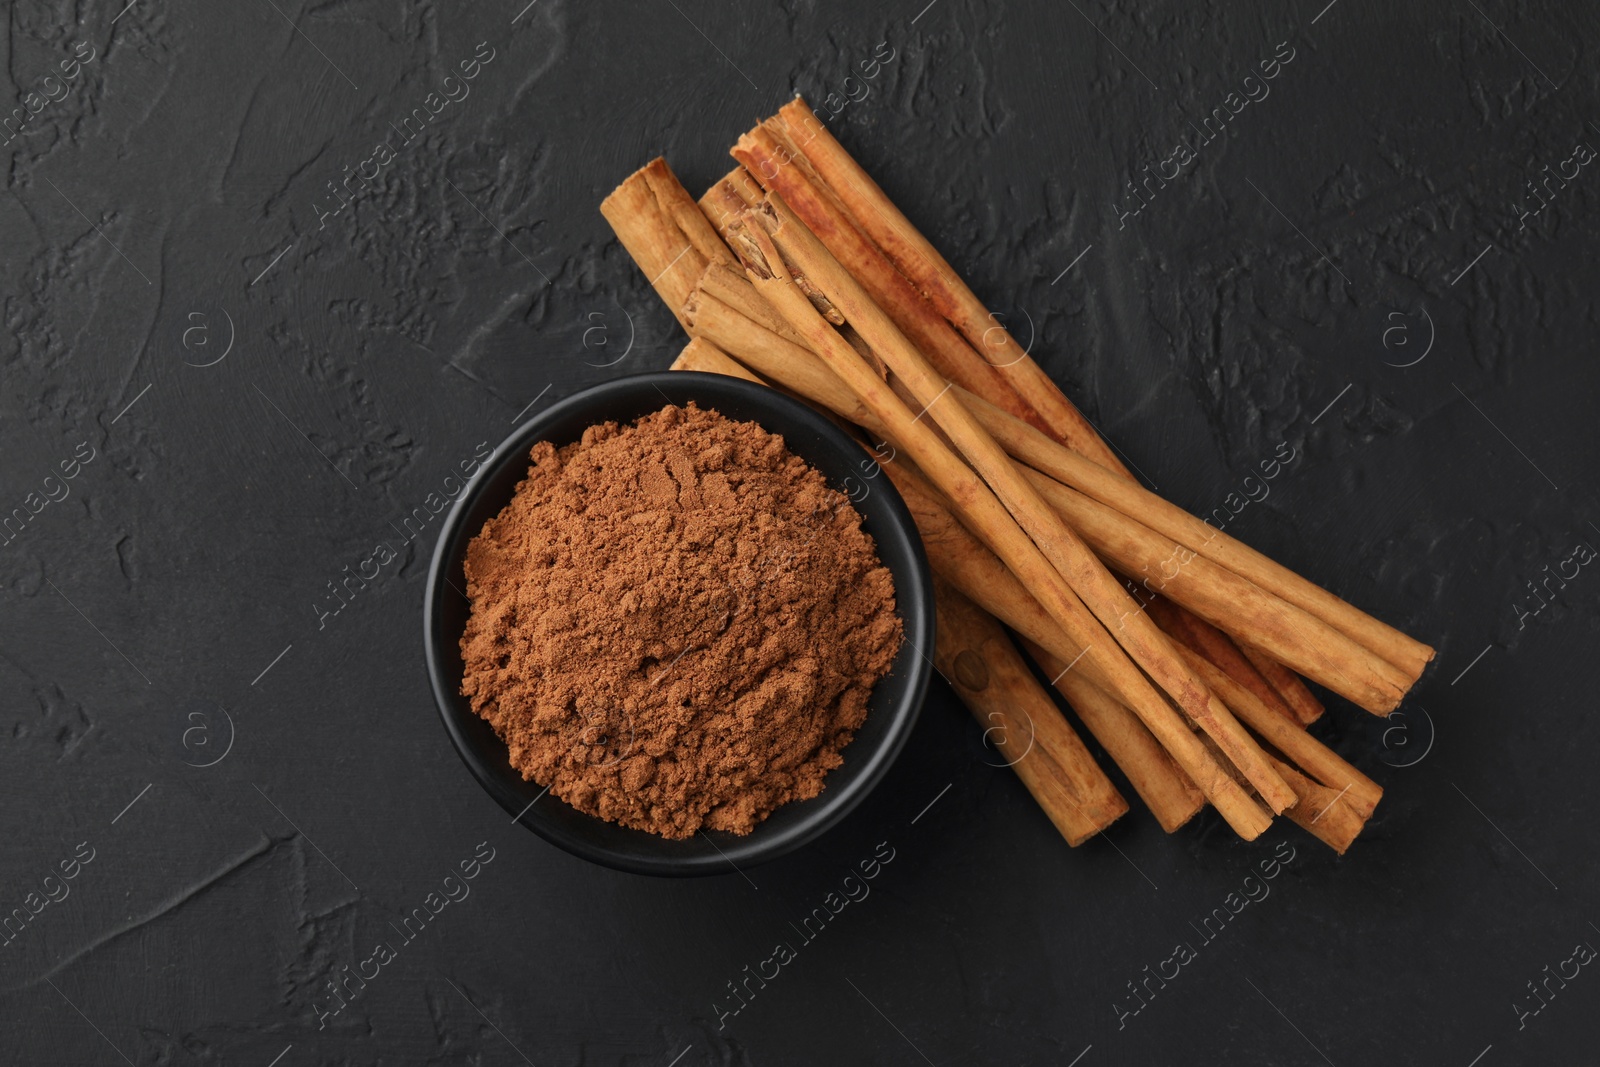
point(676, 624)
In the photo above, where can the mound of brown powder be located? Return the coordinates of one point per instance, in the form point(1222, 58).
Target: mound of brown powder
point(676, 624)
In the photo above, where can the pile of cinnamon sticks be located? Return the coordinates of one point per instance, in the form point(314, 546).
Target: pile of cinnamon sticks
point(1180, 649)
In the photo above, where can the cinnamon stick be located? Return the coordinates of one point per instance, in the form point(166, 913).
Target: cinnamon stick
point(1305, 707)
point(984, 511)
point(1064, 551)
point(1230, 602)
point(680, 207)
point(869, 209)
point(1035, 449)
point(647, 230)
point(987, 673)
point(773, 165)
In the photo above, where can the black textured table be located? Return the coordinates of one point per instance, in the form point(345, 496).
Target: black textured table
point(273, 271)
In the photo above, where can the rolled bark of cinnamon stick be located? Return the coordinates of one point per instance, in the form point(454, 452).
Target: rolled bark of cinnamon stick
point(986, 513)
point(1019, 718)
point(1063, 549)
point(680, 207)
point(665, 254)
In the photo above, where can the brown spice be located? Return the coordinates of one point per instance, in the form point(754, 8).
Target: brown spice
point(676, 624)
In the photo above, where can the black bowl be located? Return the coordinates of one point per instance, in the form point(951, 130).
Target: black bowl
point(895, 702)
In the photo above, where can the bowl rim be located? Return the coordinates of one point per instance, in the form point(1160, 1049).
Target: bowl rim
point(913, 603)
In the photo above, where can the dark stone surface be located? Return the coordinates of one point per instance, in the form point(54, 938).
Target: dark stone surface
point(165, 210)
